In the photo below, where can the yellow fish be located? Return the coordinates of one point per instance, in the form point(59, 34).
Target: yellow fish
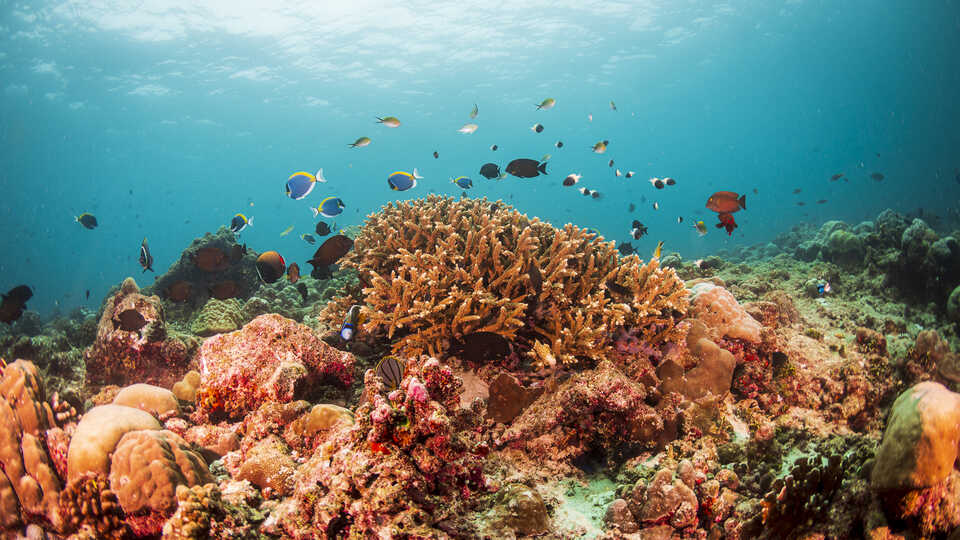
point(286, 231)
point(656, 252)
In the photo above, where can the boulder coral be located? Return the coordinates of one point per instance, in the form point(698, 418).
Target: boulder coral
point(438, 269)
point(29, 485)
point(723, 315)
point(133, 343)
point(217, 317)
point(270, 359)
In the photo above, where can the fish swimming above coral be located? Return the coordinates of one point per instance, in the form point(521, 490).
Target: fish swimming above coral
point(331, 251)
point(14, 303)
point(146, 259)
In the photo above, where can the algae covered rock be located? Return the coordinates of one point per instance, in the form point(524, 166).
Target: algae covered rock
point(843, 248)
point(218, 317)
point(953, 304)
point(920, 443)
point(521, 509)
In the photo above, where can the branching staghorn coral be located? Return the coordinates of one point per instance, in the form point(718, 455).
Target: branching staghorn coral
point(437, 269)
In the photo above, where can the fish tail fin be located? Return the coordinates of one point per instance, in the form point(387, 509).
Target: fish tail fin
point(379, 120)
point(742, 201)
point(250, 221)
point(319, 176)
point(416, 174)
point(315, 211)
point(542, 167)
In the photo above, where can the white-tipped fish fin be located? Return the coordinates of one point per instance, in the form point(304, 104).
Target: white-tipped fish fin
point(250, 221)
point(320, 177)
point(416, 175)
point(315, 211)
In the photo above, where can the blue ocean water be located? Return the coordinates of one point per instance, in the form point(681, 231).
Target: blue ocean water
point(165, 118)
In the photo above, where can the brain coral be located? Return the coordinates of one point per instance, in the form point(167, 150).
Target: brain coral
point(434, 270)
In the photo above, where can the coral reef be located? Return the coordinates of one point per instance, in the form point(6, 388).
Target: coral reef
point(270, 359)
point(133, 343)
point(438, 269)
point(92, 510)
point(217, 317)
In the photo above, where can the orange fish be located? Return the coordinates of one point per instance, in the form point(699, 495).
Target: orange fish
point(179, 291)
point(727, 222)
point(270, 266)
point(293, 272)
point(210, 259)
point(224, 290)
point(726, 202)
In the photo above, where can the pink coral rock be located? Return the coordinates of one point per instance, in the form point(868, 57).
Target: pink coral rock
point(722, 314)
point(270, 359)
point(132, 343)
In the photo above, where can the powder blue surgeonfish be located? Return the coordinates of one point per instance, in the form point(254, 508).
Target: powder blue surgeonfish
point(402, 180)
point(463, 182)
point(329, 207)
point(300, 184)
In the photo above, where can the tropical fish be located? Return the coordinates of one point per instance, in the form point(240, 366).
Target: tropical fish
point(657, 183)
point(494, 147)
point(360, 143)
point(822, 201)
point(700, 227)
point(351, 320)
point(468, 128)
point(286, 231)
point(572, 179)
point(613, 106)
point(656, 205)
point(129, 320)
point(14, 303)
point(300, 184)
point(329, 252)
point(656, 252)
point(225, 289)
point(547, 104)
point(462, 181)
point(877, 176)
point(617, 173)
point(626, 248)
point(210, 259)
point(797, 190)
point(293, 272)
point(638, 230)
point(490, 170)
point(436, 155)
point(726, 202)
point(402, 180)
point(589, 118)
point(323, 229)
point(537, 127)
point(546, 157)
point(558, 144)
point(146, 259)
point(610, 163)
point(474, 112)
point(589, 193)
point(270, 266)
point(308, 238)
point(629, 174)
point(631, 207)
point(600, 147)
point(389, 121)
point(679, 219)
point(526, 168)
point(836, 177)
point(390, 369)
point(669, 181)
point(329, 207)
point(727, 222)
point(87, 220)
point(240, 222)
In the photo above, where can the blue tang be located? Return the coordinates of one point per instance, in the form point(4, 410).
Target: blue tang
point(463, 182)
point(300, 184)
point(329, 207)
point(402, 180)
point(240, 222)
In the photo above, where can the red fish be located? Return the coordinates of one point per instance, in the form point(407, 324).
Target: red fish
point(726, 202)
point(727, 222)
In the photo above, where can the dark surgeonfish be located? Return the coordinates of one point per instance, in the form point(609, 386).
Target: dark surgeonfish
point(490, 171)
point(146, 259)
point(14, 303)
point(87, 220)
point(331, 251)
point(526, 168)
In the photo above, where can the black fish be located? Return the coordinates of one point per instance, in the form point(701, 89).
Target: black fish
point(302, 288)
point(626, 248)
point(559, 144)
point(87, 220)
point(526, 168)
point(322, 228)
point(146, 259)
point(877, 176)
point(88, 294)
point(494, 148)
point(436, 155)
point(632, 207)
point(14, 302)
point(490, 171)
point(130, 320)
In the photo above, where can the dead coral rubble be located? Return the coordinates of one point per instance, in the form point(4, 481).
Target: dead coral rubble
point(437, 269)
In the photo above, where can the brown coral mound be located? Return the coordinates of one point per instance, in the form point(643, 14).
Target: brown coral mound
point(437, 269)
